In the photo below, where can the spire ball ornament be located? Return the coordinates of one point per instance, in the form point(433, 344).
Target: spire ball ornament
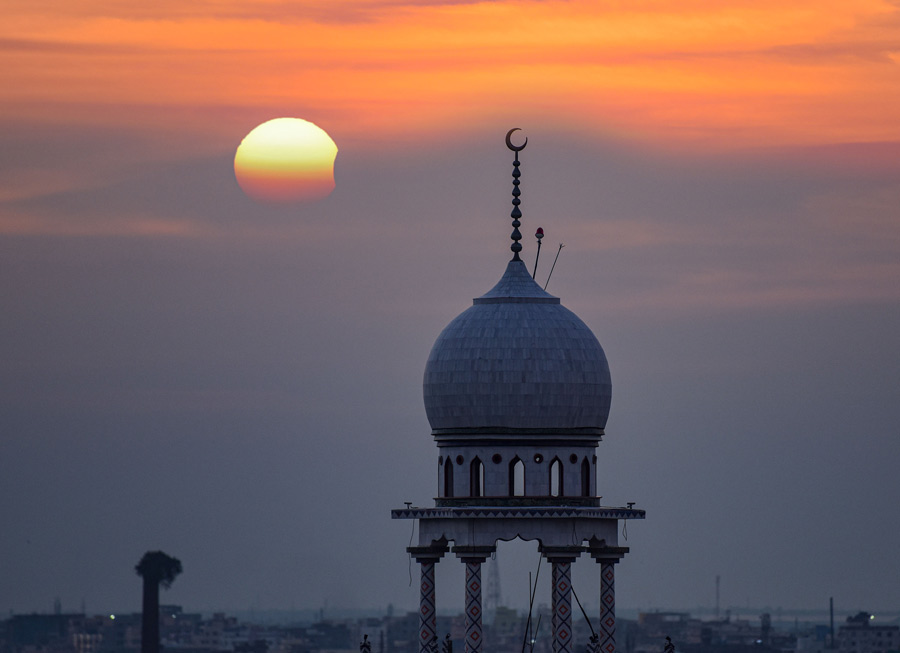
point(539, 234)
point(516, 236)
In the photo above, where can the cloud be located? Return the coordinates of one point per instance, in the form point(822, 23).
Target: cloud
point(722, 232)
point(699, 73)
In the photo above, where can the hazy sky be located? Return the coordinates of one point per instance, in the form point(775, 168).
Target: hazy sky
point(239, 385)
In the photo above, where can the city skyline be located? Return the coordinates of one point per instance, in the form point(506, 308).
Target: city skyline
point(239, 384)
point(64, 633)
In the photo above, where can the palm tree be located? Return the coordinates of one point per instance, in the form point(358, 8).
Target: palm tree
point(156, 568)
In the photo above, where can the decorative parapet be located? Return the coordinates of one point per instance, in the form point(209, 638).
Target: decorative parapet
point(506, 512)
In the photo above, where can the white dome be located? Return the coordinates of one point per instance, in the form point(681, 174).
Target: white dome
point(517, 361)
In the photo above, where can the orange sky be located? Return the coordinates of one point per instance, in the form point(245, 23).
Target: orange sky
point(694, 72)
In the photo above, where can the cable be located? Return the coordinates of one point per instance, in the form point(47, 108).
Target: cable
point(586, 618)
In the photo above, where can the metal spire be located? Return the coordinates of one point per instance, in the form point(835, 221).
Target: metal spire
point(516, 247)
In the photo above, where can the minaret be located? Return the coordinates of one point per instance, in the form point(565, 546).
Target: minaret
point(517, 391)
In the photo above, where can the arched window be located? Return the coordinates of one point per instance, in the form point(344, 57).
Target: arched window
point(585, 478)
point(476, 478)
point(448, 477)
point(556, 478)
point(516, 477)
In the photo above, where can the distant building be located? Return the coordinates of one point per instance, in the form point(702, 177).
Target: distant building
point(42, 633)
point(692, 635)
point(861, 635)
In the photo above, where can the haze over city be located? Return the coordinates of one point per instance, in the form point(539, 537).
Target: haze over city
point(239, 383)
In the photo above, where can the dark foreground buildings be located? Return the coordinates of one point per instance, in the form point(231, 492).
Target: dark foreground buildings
point(193, 633)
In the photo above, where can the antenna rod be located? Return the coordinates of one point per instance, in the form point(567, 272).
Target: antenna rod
point(552, 267)
point(831, 621)
point(717, 595)
point(537, 629)
point(526, 635)
point(532, 591)
point(539, 234)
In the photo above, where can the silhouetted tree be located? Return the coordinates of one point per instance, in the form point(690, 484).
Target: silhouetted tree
point(156, 568)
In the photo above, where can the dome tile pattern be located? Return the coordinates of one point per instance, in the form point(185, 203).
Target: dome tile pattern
point(517, 360)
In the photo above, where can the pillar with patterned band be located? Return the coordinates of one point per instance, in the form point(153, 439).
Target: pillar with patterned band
point(474, 633)
point(562, 589)
point(427, 609)
point(561, 559)
point(473, 556)
point(607, 607)
point(607, 556)
point(427, 557)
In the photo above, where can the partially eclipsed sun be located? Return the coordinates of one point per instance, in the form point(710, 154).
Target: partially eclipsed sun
point(286, 160)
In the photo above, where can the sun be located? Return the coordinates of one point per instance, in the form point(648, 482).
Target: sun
point(286, 160)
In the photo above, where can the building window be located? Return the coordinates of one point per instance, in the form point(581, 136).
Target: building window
point(556, 478)
point(476, 478)
point(516, 477)
point(585, 478)
point(448, 477)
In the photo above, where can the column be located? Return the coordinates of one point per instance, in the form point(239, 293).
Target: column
point(427, 557)
point(607, 607)
point(607, 556)
point(561, 559)
point(562, 588)
point(473, 556)
point(474, 633)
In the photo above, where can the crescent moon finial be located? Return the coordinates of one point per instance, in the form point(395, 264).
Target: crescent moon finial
point(509, 144)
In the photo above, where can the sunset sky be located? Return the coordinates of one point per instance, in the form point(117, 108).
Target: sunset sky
point(239, 384)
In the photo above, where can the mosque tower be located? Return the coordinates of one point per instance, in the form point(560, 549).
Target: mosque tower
point(517, 392)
